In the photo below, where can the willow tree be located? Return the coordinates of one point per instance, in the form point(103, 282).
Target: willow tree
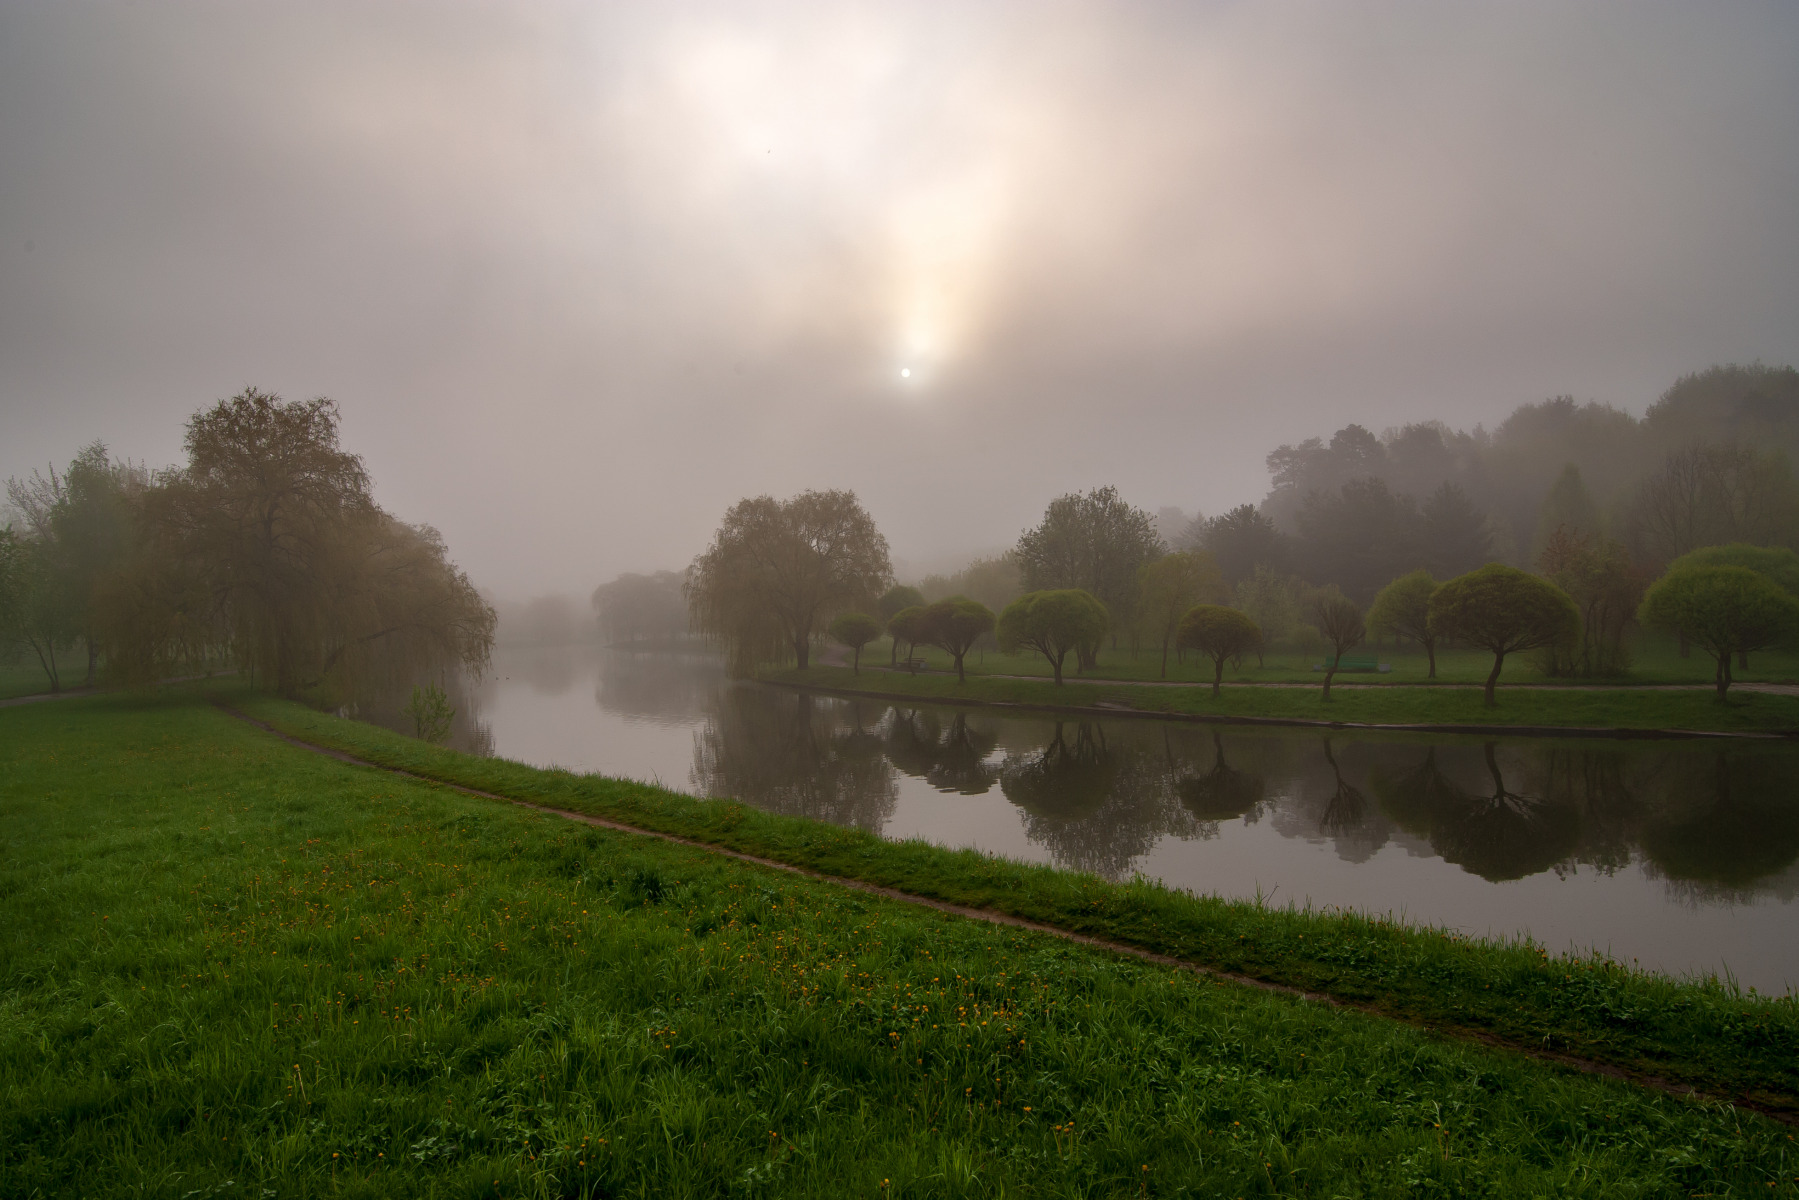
point(269, 543)
point(777, 569)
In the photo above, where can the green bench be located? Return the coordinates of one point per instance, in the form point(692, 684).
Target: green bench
point(1352, 662)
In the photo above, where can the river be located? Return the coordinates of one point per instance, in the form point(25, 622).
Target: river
point(1678, 855)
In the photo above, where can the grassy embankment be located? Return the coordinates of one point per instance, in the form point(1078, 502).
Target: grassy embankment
point(1698, 1032)
point(235, 968)
point(1654, 661)
point(1584, 708)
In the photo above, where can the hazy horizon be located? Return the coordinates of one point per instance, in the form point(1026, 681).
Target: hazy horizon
point(579, 278)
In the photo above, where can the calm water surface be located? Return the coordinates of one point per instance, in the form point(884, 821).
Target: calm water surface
point(1679, 855)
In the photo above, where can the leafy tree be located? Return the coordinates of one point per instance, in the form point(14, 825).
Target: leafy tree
point(1455, 536)
point(1567, 506)
point(1403, 608)
point(893, 600)
point(1503, 610)
point(1339, 620)
point(641, 607)
point(1779, 564)
point(855, 630)
point(1708, 495)
point(1277, 604)
point(1170, 585)
point(270, 540)
point(954, 624)
point(1726, 610)
point(1597, 575)
point(1243, 540)
point(1220, 634)
point(36, 611)
point(1094, 542)
point(81, 522)
point(907, 625)
point(776, 568)
point(1776, 562)
point(1357, 536)
point(1052, 622)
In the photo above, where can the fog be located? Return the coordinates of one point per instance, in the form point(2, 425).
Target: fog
point(582, 276)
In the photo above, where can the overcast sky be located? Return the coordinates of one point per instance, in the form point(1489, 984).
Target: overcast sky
point(582, 276)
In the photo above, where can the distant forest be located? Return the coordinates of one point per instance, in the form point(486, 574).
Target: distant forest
point(1555, 488)
point(1710, 462)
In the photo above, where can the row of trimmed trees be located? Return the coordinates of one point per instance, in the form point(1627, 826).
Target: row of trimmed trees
point(779, 573)
point(265, 550)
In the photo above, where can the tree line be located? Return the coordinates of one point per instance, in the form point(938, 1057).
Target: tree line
point(779, 574)
point(265, 550)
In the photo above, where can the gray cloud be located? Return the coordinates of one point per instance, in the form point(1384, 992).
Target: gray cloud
point(581, 277)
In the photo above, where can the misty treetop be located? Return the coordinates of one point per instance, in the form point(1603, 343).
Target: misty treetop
point(265, 548)
point(778, 571)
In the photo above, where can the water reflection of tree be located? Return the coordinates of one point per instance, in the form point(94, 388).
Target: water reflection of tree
point(793, 754)
point(1496, 831)
point(951, 758)
point(1347, 807)
point(1735, 821)
point(1095, 806)
point(1221, 793)
point(660, 685)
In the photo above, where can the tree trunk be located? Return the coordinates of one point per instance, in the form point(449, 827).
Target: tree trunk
point(802, 649)
point(1493, 678)
point(892, 651)
point(1217, 675)
point(1056, 662)
point(1164, 656)
point(1723, 677)
point(961, 676)
point(1430, 651)
point(1328, 672)
point(93, 655)
point(856, 662)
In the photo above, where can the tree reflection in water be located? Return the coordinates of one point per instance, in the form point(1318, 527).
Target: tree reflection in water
point(1346, 808)
point(1494, 831)
point(1099, 795)
point(1736, 820)
point(950, 758)
point(1094, 805)
point(789, 753)
point(1222, 792)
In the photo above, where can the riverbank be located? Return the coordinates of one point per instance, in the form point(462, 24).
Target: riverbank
point(1490, 989)
point(231, 959)
point(1582, 712)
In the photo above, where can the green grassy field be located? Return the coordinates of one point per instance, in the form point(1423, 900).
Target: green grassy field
point(1587, 708)
point(1655, 660)
point(234, 968)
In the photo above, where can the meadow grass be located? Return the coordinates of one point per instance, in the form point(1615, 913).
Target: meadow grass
point(1655, 660)
point(1702, 1032)
point(233, 968)
point(1582, 708)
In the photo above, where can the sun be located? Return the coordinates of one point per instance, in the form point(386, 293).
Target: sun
point(905, 372)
